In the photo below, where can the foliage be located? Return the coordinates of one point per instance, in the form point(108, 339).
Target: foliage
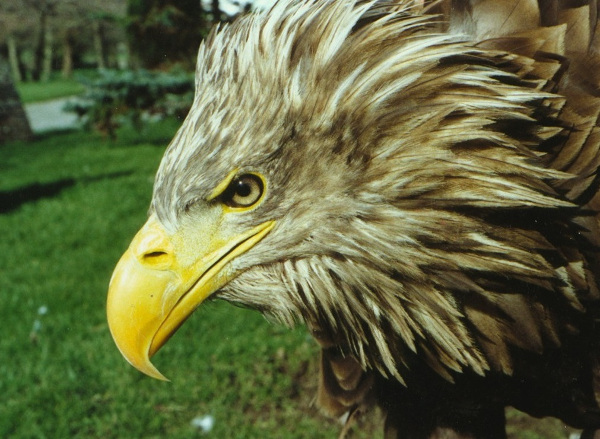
point(114, 96)
point(166, 32)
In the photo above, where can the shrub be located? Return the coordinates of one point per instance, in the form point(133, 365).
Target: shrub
point(113, 97)
point(166, 32)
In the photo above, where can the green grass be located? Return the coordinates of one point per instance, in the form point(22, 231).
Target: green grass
point(63, 377)
point(66, 379)
point(57, 87)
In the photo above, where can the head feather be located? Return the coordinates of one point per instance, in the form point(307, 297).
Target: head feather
point(396, 156)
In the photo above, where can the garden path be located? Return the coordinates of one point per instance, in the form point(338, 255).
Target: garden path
point(50, 115)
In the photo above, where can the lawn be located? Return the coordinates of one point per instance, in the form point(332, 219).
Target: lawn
point(57, 87)
point(69, 205)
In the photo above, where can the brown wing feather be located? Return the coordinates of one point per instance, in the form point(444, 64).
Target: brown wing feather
point(559, 45)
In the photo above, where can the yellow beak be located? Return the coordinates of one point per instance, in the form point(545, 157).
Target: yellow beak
point(162, 278)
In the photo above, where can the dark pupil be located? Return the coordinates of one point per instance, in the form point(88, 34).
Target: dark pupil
point(243, 189)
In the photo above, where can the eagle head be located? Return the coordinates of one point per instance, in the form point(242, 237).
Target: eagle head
point(339, 167)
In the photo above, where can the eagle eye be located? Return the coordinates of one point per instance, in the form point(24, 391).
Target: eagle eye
point(243, 191)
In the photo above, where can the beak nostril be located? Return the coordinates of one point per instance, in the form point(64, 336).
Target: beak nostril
point(156, 258)
point(155, 254)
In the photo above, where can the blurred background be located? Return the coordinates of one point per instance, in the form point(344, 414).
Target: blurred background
point(90, 94)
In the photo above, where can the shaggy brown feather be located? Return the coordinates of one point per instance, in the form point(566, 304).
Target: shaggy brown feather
point(433, 172)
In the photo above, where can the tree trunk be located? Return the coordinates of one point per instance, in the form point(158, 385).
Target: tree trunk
point(48, 55)
point(123, 56)
point(13, 120)
point(39, 50)
point(216, 11)
point(67, 61)
point(99, 45)
point(13, 58)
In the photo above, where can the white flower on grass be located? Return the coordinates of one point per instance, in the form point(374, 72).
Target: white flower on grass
point(37, 326)
point(37, 323)
point(203, 423)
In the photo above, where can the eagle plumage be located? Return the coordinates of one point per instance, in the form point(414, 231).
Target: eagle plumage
point(416, 181)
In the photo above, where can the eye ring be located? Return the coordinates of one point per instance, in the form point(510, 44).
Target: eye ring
point(243, 191)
